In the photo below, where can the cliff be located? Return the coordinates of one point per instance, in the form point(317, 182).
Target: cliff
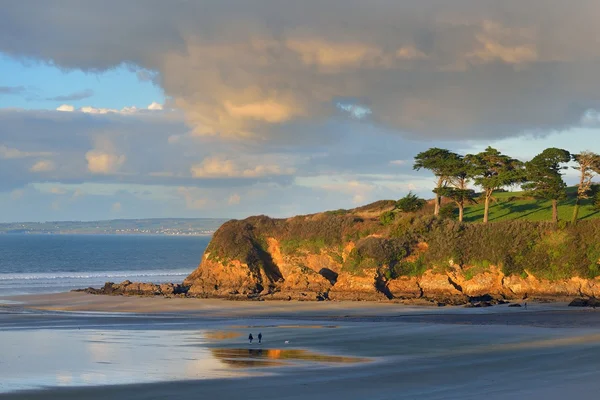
point(357, 255)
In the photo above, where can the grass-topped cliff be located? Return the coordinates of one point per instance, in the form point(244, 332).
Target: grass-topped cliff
point(377, 251)
point(510, 206)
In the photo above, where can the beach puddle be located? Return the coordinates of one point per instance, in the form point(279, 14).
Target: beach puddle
point(273, 357)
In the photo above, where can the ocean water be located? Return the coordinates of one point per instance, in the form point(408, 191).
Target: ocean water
point(32, 264)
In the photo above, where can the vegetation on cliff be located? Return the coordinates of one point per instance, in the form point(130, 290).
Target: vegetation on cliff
point(416, 248)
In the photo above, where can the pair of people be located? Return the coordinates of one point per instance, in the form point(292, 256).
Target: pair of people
point(251, 338)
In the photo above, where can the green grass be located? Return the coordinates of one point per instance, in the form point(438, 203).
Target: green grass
point(518, 206)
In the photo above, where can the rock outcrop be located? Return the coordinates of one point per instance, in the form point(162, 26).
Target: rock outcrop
point(353, 255)
point(129, 288)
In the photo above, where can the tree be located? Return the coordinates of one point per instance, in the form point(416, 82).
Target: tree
point(545, 179)
point(459, 174)
point(410, 203)
point(438, 161)
point(588, 164)
point(493, 170)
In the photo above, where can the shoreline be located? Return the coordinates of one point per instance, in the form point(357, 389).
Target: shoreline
point(416, 352)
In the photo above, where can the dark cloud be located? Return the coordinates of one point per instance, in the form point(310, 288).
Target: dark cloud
point(434, 68)
point(82, 94)
point(12, 90)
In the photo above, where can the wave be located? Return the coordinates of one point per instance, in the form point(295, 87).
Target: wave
point(89, 275)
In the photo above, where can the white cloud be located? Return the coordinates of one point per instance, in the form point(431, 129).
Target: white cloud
point(399, 162)
point(43, 166)
point(155, 106)
point(128, 110)
point(65, 108)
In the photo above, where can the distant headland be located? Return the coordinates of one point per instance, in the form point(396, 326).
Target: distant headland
point(151, 226)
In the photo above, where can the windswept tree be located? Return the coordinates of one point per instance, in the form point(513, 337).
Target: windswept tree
point(440, 162)
point(459, 175)
point(410, 203)
point(545, 179)
point(493, 170)
point(588, 165)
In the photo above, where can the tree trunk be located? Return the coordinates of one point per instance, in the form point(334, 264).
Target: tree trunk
point(486, 210)
point(438, 198)
point(576, 212)
point(555, 211)
point(461, 212)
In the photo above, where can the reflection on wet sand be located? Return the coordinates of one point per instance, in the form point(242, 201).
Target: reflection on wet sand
point(244, 358)
point(221, 335)
point(285, 326)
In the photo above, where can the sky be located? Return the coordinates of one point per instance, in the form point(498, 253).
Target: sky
point(198, 108)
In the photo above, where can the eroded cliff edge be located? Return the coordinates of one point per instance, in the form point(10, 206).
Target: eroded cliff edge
point(353, 255)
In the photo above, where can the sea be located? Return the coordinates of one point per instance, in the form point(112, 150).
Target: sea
point(38, 264)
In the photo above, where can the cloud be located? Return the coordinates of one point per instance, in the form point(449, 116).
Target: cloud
point(12, 90)
point(104, 158)
point(155, 106)
point(399, 162)
point(82, 94)
point(11, 153)
point(234, 199)
point(43, 166)
point(359, 191)
point(248, 68)
point(65, 108)
point(58, 190)
point(219, 167)
point(17, 194)
point(193, 201)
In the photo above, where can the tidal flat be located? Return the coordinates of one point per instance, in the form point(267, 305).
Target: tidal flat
point(75, 345)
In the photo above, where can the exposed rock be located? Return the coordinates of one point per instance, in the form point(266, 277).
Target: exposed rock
point(581, 302)
point(353, 287)
point(405, 287)
point(441, 288)
point(128, 288)
point(515, 305)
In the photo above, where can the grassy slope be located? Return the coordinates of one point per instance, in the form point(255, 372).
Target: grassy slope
point(521, 207)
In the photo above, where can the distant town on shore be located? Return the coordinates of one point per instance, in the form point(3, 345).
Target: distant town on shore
point(153, 226)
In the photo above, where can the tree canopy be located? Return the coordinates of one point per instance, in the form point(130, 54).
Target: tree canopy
point(545, 178)
point(493, 170)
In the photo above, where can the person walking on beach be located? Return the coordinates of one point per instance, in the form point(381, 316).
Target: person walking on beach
point(526, 305)
point(250, 338)
point(259, 338)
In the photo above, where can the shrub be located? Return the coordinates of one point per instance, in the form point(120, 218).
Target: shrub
point(448, 211)
point(387, 218)
point(410, 203)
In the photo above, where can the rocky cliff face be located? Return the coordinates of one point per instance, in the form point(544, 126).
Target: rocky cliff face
point(351, 255)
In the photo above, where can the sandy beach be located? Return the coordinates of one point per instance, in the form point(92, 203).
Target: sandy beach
point(75, 345)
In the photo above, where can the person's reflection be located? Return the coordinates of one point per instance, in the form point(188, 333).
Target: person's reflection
point(255, 352)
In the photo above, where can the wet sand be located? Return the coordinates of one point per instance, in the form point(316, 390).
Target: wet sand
point(151, 348)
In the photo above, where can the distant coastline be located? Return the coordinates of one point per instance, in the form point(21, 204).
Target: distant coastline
point(152, 226)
